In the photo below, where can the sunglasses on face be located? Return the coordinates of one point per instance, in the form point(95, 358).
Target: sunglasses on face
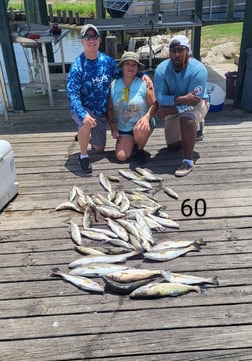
point(177, 49)
point(90, 37)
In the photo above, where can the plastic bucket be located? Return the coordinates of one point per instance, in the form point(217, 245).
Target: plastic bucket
point(231, 78)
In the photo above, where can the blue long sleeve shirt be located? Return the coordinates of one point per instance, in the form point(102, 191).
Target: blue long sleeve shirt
point(88, 84)
point(169, 84)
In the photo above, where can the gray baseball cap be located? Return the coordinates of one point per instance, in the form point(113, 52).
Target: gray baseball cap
point(86, 28)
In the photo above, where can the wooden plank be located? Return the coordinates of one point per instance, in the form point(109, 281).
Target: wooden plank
point(90, 347)
point(95, 322)
point(67, 300)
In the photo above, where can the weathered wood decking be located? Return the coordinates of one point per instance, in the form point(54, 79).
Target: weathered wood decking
point(43, 318)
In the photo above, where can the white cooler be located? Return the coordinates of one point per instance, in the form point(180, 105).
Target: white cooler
point(8, 178)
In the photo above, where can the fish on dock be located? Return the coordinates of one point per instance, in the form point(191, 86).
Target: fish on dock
point(83, 283)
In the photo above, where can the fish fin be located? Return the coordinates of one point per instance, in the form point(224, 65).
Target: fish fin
point(215, 280)
point(203, 289)
point(166, 274)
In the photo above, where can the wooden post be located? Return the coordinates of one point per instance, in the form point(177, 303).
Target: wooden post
point(59, 19)
point(10, 60)
point(77, 18)
point(36, 12)
point(100, 10)
point(50, 13)
point(111, 46)
point(70, 14)
point(64, 17)
point(197, 29)
point(246, 43)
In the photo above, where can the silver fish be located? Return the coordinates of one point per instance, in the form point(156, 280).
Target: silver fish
point(106, 211)
point(135, 243)
point(188, 279)
point(118, 229)
point(105, 182)
point(145, 239)
point(97, 269)
point(87, 220)
point(125, 203)
point(118, 198)
point(105, 232)
point(95, 251)
point(81, 200)
point(107, 258)
point(68, 205)
point(97, 236)
point(72, 194)
point(120, 243)
point(128, 174)
point(168, 254)
point(123, 288)
point(148, 175)
point(176, 244)
point(166, 222)
point(113, 178)
point(170, 192)
point(89, 251)
point(142, 183)
point(163, 289)
point(129, 226)
point(112, 196)
point(81, 282)
point(79, 191)
point(106, 201)
point(133, 274)
point(140, 218)
point(154, 225)
point(74, 232)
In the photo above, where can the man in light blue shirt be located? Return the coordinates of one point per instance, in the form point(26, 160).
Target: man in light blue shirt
point(180, 88)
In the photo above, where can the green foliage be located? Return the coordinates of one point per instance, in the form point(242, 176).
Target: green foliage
point(84, 10)
point(217, 33)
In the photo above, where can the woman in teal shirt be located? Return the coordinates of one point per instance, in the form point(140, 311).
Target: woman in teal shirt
point(131, 109)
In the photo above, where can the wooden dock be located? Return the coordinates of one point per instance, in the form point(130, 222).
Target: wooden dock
point(44, 318)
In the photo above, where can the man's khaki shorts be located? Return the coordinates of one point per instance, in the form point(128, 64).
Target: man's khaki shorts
point(172, 121)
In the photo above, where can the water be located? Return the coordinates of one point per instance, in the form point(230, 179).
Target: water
point(72, 47)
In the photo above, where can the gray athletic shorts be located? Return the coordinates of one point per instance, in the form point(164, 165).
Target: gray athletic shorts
point(98, 133)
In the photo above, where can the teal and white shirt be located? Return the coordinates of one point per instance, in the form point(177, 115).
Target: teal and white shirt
point(129, 103)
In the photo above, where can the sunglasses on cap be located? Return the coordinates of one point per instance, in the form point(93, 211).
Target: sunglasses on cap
point(90, 37)
point(178, 49)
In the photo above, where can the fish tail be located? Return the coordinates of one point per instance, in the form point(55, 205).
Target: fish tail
point(200, 241)
point(55, 270)
point(195, 247)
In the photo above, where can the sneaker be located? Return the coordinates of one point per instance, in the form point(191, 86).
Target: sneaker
point(200, 131)
point(141, 156)
point(85, 165)
point(199, 135)
point(183, 170)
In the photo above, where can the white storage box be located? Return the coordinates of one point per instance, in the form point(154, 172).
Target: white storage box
point(8, 179)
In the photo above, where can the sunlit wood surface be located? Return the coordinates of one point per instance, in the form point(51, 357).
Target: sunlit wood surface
point(44, 318)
